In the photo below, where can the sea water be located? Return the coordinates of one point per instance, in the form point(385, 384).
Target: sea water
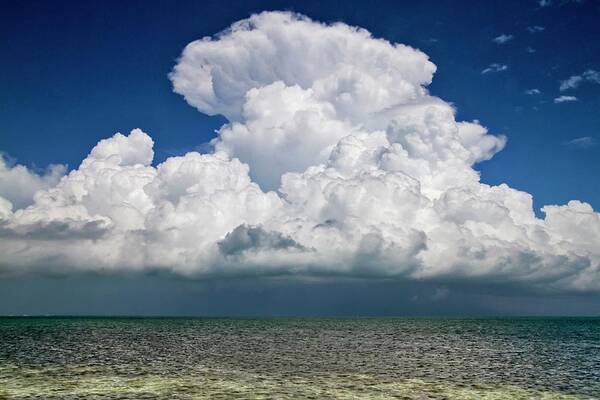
point(299, 358)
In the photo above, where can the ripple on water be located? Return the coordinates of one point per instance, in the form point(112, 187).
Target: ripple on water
point(299, 358)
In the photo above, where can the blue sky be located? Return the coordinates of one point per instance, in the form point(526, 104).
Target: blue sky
point(73, 73)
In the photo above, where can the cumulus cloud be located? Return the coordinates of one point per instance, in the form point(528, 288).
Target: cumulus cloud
point(495, 67)
point(502, 39)
point(564, 99)
point(287, 114)
point(18, 184)
point(336, 161)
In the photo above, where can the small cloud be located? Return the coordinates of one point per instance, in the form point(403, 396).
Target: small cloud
point(574, 81)
point(583, 142)
point(571, 83)
point(495, 67)
point(592, 76)
point(546, 3)
point(503, 39)
point(530, 50)
point(563, 99)
point(535, 29)
point(532, 92)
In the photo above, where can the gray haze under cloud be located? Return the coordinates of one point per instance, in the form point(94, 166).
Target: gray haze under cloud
point(160, 295)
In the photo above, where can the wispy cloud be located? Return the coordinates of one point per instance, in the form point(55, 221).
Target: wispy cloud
point(535, 29)
point(564, 99)
point(546, 3)
point(504, 38)
point(571, 83)
point(574, 81)
point(583, 142)
point(530, 50)
point(495, 67)
point(533, 91)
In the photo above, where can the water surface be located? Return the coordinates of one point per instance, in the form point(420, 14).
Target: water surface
point(195, 358)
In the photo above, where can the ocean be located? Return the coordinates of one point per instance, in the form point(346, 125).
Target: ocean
point(299, 358)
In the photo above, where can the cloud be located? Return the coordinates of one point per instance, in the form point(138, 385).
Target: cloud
point(255, 238)
point(563, 99)
point(336, 161)
point(18, 184)
point(530, 50)
point(547, 3)
point(571, 83)
point(532, 92)
point(494, 68)
point(583, 142)
point(250, 69)
point(535, 29)
point(574, 81)
point(502, 39)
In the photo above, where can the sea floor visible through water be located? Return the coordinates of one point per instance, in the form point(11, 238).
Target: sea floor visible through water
point(299, 358)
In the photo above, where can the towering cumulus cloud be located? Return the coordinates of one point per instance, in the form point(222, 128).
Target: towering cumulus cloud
point(336, 161)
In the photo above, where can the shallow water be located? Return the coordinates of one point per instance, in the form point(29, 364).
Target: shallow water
point(189, 358)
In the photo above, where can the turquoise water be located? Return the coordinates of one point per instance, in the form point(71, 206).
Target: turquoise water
point(195, 358)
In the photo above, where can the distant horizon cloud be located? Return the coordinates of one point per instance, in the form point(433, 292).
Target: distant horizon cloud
point(335, 162)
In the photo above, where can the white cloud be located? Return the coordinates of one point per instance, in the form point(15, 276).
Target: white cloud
point(504, 38)
point(563, 99)
point(535, 29)
point(532, 92)
point(592, 76)
point(571, 83)
point(494, 68)
point(377, 178)
point(574, 81)
point(18, 184)
point(583, 142)
point(545, 3)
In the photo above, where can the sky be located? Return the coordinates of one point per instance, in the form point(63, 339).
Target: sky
point(296, 163)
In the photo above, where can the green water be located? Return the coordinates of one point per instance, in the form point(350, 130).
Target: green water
point(347, 358)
